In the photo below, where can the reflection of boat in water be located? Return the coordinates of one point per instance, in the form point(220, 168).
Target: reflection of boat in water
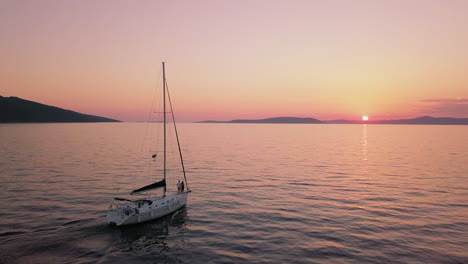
point(154, 229)
point(163, 235)
point(141, 210)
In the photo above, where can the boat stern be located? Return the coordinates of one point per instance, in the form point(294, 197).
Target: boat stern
point(119, 216)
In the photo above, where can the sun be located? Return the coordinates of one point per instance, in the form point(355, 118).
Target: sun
point(365, 118)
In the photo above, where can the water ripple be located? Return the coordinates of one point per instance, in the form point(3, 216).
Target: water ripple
point(261, 194)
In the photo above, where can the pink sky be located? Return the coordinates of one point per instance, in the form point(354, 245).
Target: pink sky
point(239, 59)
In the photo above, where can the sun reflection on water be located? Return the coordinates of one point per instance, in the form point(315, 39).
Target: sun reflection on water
point(364, 151)
point(364, 167)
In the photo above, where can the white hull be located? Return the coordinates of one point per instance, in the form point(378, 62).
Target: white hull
point(146, 209)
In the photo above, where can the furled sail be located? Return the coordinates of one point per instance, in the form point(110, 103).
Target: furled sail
point(122, 199)
point(155, 185)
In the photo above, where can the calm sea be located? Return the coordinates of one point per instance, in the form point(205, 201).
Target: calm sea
point(261, 194)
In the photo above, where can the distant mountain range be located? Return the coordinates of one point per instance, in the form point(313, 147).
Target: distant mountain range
point(17, 110)
point(424, 120)
point(273, 120)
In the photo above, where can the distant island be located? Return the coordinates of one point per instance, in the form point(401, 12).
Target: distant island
point(424, 120)
point(17, 110)
point(273, 120)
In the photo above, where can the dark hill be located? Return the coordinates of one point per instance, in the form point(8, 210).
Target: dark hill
point(273, 120)
point(426, 120)
point(423, 120)
point(17, 110)
point(280, 120)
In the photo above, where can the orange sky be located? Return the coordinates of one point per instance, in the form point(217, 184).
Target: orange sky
point(239, 59)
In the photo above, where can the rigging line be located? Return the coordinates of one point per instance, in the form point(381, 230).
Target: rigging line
point(164, 115)
point(138, 146)
point(156, 124)
point(154, 134)
point(148, 120)
point(177, 135)
point(147, 135)
point(148, 126)
point(152, 127)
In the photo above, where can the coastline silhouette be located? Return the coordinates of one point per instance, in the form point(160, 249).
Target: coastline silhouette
point(18, 110)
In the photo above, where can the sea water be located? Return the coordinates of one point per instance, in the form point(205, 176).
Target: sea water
point(261, 193)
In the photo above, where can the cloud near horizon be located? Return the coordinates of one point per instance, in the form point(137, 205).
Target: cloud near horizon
point(443, 106)
point(444, 100)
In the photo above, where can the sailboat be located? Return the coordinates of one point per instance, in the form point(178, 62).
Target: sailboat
point(142, 210)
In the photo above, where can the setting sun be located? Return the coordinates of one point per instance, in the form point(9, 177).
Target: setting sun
point(365, 118)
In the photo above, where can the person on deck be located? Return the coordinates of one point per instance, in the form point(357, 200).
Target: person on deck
point(182, 186)
point(179, 186)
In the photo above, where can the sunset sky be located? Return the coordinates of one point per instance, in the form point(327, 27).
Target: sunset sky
point(239, 59)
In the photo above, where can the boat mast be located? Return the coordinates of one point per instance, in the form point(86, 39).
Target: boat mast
point(164, 114)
